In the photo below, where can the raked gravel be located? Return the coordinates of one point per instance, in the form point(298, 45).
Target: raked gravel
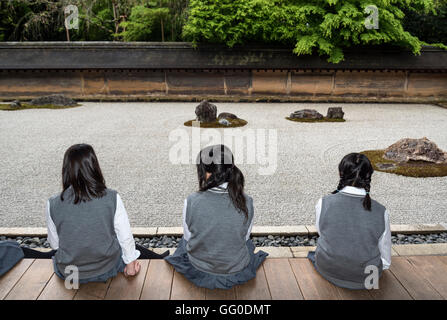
point(132, 143)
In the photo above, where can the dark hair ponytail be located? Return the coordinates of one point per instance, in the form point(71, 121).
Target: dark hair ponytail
point(356, 170)
point(218, 161)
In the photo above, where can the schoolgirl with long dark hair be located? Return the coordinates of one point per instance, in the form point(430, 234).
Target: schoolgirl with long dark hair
point(354, 229)
point(88, 226)
point(216, 250)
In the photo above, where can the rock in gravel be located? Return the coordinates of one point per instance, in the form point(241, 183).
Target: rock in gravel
point(408, 149)
point(206, 112)
point(335, 113)
point(306, 114)
point(15, 104)
point(224, 122)
point(227, 115)
point(54, 99)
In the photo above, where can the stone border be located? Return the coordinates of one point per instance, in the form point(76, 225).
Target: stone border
point(299, 230)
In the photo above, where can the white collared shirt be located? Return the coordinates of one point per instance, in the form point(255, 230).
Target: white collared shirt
point(384, 241)
point(121, 227)
point(220, 189)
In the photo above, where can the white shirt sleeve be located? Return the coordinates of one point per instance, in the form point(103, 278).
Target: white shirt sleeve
point(123, 233)
point(53, 237)
point(385, 243)
point(186, 232)
point(317, 215)
point(250, 227)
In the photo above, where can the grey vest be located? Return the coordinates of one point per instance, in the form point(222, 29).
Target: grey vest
point(349, 238)
point(218, 233)
point(86, 233)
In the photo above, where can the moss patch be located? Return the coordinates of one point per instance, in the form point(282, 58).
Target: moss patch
point(233, 124)
point(416, 169)
point(315, 120)
point(25, 106)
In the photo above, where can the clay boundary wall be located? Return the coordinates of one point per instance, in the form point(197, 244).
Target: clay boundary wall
point(177, 71)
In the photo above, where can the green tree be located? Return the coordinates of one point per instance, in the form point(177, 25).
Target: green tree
point(156, 20)
point(31, 20)
point(430, 27)
point(326, 27)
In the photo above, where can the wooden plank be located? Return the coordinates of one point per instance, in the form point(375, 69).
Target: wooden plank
point(55, 290)
point(254, 289)
point(418, 287)
point(347, 294)
point(220, 294)
point(158, 283)
point(281, 280)
point(312, 284)
point(183, 289)
point(33, 281)
point(433, 269)
point(9, 279)
point(129, 288)
point(389, 288)
point(93, 290)
point(443, 259)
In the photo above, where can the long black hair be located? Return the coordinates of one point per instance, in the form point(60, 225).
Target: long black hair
point(356, 170)
point(218, 161)
point(81, 171)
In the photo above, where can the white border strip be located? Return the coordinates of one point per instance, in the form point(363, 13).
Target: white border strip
point(300, 230)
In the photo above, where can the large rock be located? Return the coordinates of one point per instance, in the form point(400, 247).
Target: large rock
point(226, 115)
point(306, 114)
point(408, 149)
point(54, 99)
point(335, 113)
point(206, 112)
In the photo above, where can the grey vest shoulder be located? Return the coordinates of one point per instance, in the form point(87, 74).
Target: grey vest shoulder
point(86, 233)
point(349, 239)
point(218, 231)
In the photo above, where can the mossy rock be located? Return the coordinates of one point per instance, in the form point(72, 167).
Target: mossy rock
point(234, 123)
point(25, 106)
point(415, 169)
point(315, 120)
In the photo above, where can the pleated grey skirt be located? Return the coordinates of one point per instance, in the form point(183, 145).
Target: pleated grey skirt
point(180, 261)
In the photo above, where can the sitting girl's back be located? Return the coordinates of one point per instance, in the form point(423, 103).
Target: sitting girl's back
point(218, 231)
point(88, 226)
point(354, 229)
point(86, 232)
point(216, 250)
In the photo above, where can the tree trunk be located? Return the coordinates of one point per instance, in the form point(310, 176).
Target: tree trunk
point(162, 31)
point(115, 17)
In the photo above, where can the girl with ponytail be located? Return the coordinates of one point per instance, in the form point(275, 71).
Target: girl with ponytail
point(216, 250)
point(354, 229)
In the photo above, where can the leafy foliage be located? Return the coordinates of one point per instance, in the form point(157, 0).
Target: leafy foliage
point(155, 20)
point(323, 26)
point(431, 27)
point(99, 20)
